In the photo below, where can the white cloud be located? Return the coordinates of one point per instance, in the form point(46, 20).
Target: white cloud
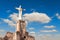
point(32, 33)
point(11, 23)
point(14, 17)
point(58, 17)
point(52, 26)
point(35, 16)
point(57, 14)
point(48, 30)
point(31, 28)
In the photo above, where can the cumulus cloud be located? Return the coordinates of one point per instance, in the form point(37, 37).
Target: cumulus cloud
point(48, 30)
point(14, 17)
point(52, 26)
point(35, 16)
point(9, 22)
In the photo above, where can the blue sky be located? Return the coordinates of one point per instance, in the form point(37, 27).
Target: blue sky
point(49, 7)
